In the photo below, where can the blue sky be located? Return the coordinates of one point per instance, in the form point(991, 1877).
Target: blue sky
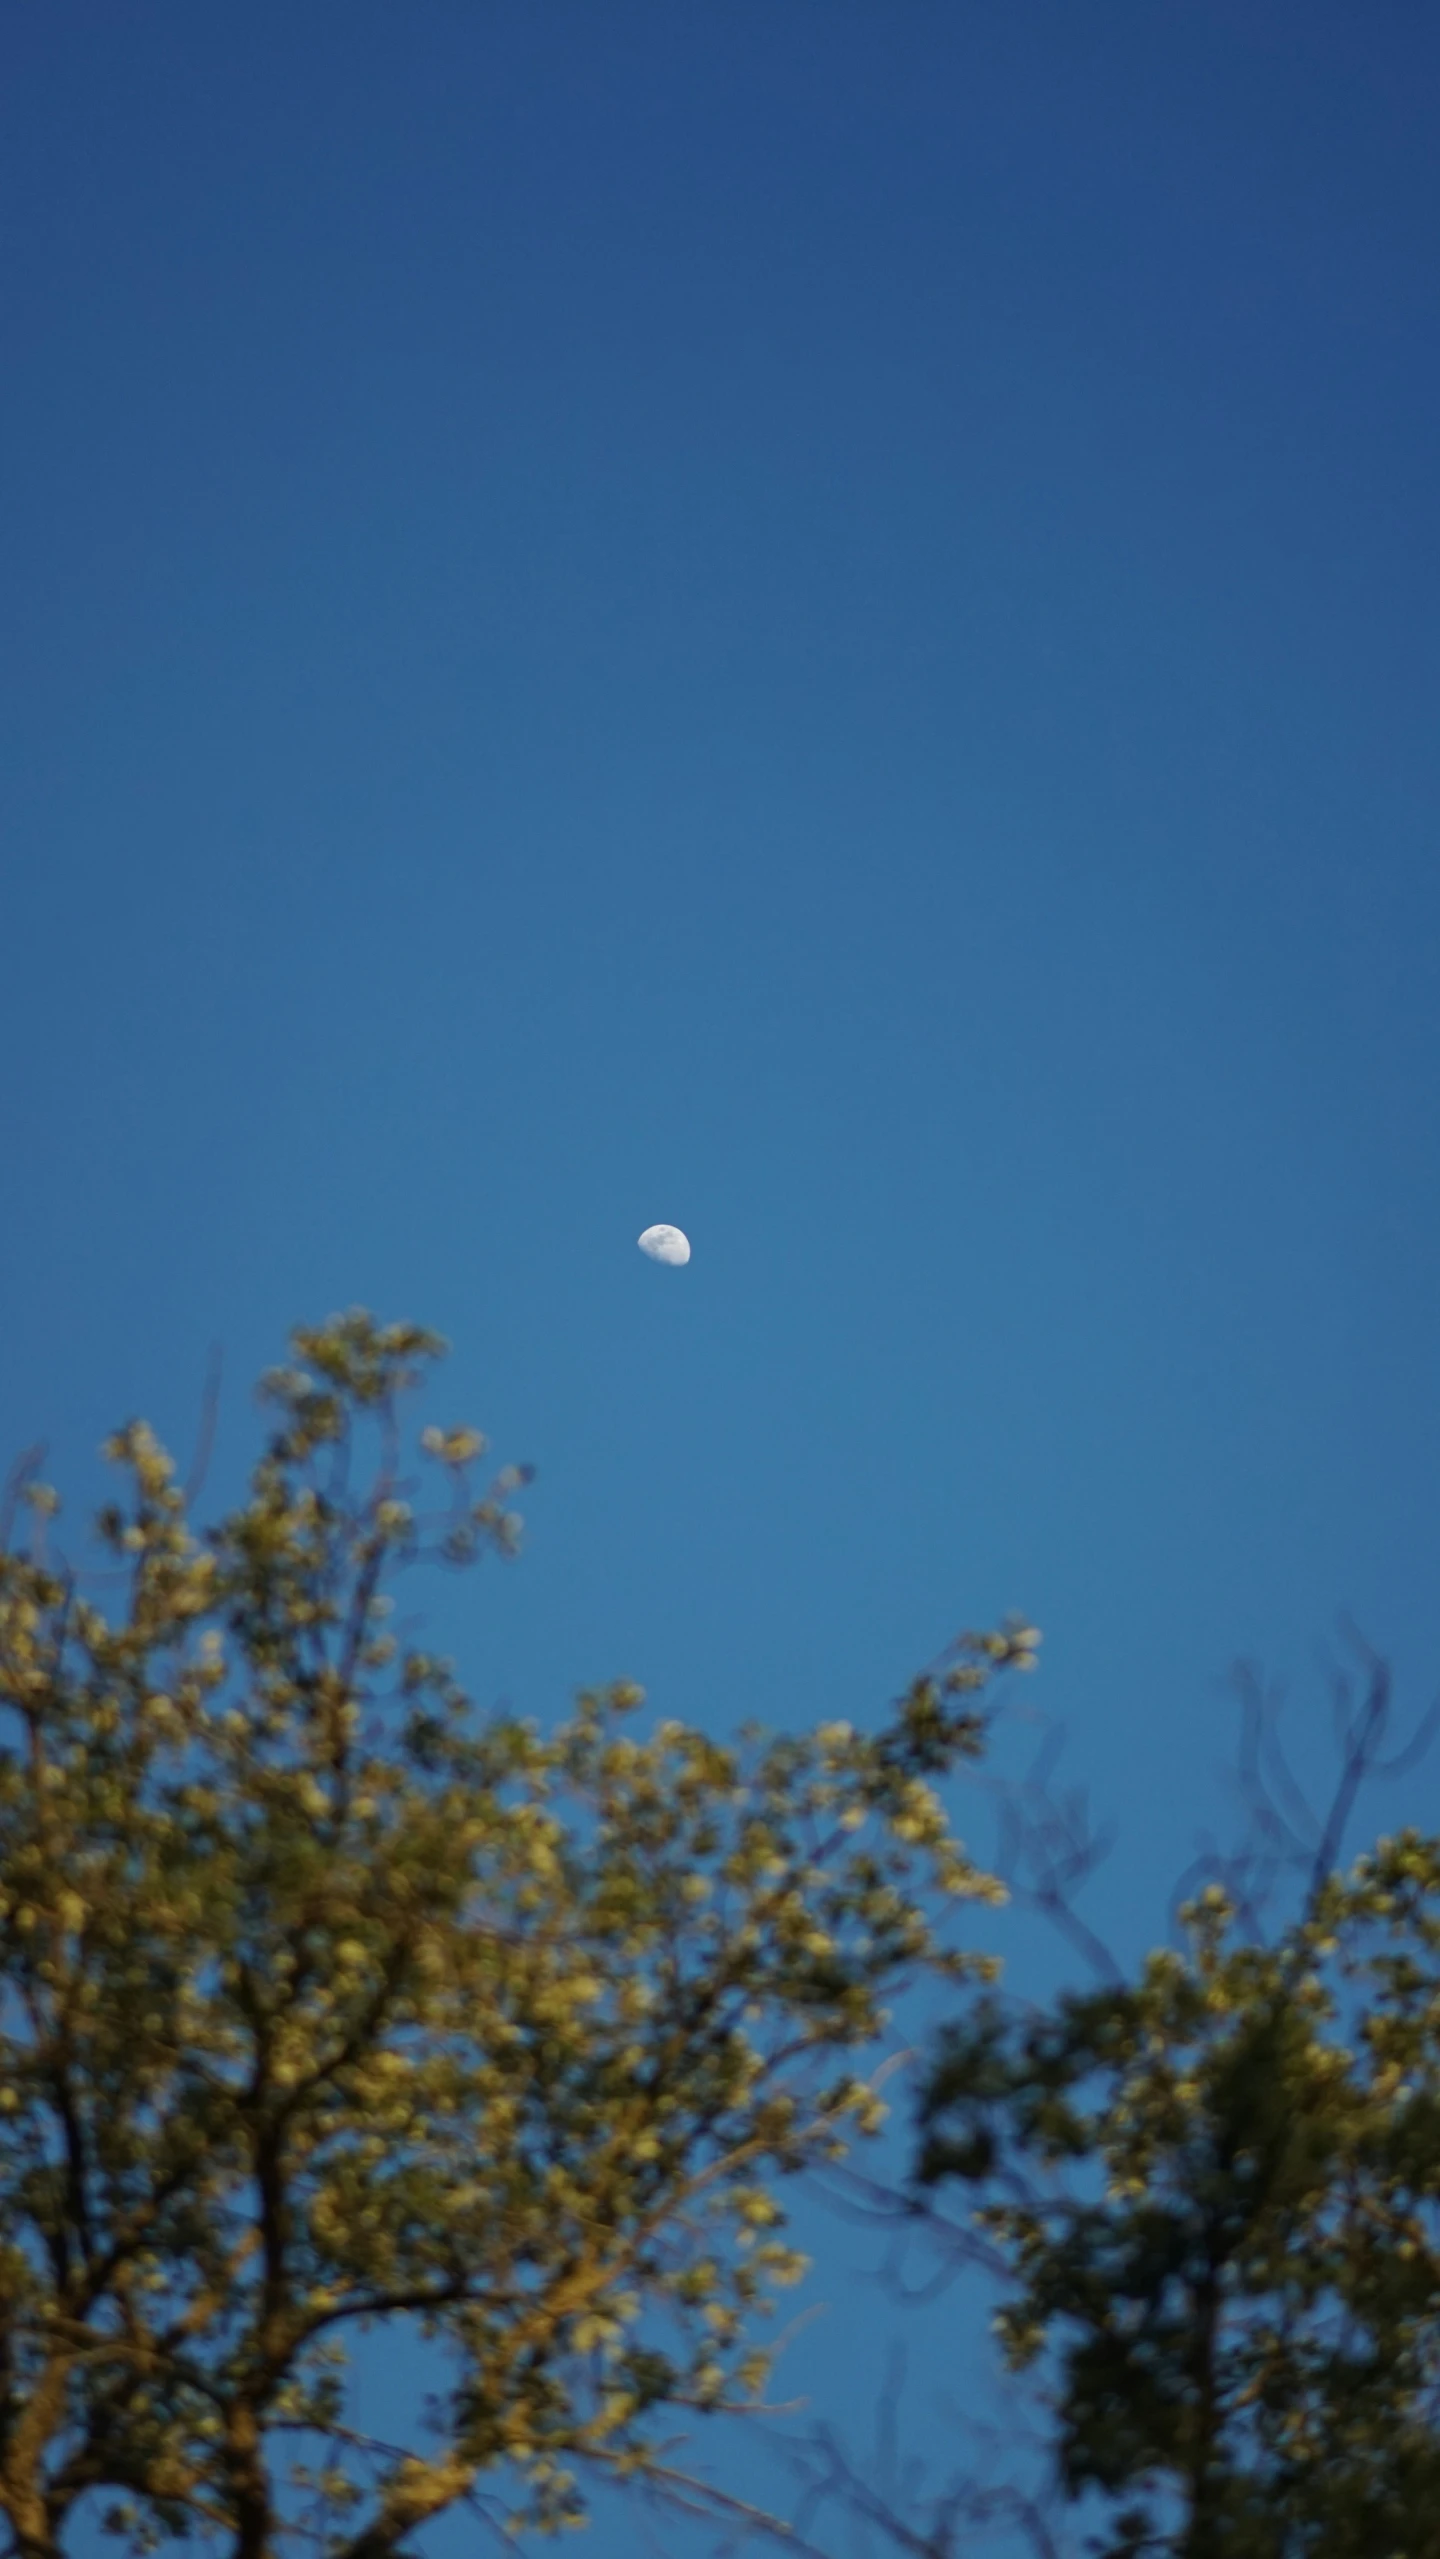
point(817, 621)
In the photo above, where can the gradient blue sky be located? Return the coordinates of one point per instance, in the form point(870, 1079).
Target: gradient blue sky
point(814, 620)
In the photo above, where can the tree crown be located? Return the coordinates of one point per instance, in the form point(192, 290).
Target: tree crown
point(327, 2001)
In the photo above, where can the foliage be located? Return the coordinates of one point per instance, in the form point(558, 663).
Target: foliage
point(1212, 2190)
point(326, 2002)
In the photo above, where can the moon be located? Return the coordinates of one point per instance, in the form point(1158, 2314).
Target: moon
point(665, 1244)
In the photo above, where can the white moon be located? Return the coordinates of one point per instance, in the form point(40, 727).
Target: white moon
point(665, 1244)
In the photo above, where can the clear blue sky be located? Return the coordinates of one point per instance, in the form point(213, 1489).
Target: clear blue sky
point(814, 620)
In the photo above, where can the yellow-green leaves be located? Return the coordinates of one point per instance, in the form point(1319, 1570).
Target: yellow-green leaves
point(326, 2002)
point(1214, 2191)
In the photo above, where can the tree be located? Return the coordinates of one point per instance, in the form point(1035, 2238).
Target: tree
point(1211, 2193)
point(327, 2002)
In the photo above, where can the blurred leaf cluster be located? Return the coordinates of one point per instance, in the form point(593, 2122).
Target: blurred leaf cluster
point(1212, 2192)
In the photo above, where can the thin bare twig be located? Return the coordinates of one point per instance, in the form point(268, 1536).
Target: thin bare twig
point(194, 1483)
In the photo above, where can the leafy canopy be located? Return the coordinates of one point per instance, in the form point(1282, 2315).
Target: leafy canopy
point(1213, 2194)
point(327, 2002)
